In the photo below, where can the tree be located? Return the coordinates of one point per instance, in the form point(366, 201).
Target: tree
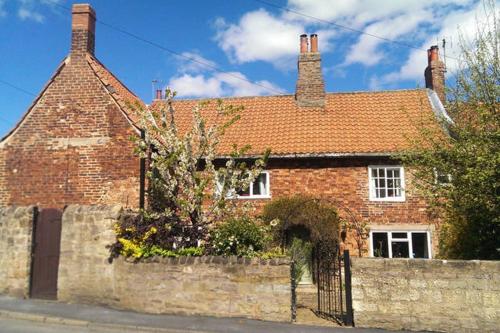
point(188, 186)
point(459, 172)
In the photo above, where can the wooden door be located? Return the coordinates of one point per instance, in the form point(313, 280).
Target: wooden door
point(46, 247)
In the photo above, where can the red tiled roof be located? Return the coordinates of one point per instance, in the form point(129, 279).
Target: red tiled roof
point(351, 123)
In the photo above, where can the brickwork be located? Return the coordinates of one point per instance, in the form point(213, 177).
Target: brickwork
point(214, 286)
point(434, 74)
point(426, 295)
point(310, 90)
point(16, 225)
point(83, 29)
point(344, 182)
point(73, 146)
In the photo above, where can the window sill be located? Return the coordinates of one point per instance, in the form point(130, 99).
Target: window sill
point(253, 197)
point(388, 199)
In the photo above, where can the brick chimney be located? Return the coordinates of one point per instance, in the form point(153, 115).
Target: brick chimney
point(434, 73)
point(83, 29)
point(310, 90)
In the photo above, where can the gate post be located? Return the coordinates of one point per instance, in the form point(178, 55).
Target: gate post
point(32, 249)
point(349, 316)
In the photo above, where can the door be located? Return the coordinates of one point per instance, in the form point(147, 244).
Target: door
point(45, 259)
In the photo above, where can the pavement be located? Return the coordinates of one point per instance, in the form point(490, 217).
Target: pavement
point(31, 315)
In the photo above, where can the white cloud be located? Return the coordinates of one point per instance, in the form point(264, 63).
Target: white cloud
point(30, 10)
point(260, 35)
point(188, 85)
point(196, 80)
point(220, 84)
point(462, 22)
point(359, 13)
point(2, 11)
point(193, 62)
point(27, 14)
point(367, 52)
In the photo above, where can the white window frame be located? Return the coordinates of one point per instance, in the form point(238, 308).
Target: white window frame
point(371, 185)
point(250, 189)
point(259, 196)
point(408, 239)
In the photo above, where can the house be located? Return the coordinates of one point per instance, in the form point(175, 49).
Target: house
point(72, 144)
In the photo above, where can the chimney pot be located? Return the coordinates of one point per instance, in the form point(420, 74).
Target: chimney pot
point(433, 53)
point(303, 43)
point(314, 43)
point(83, 29)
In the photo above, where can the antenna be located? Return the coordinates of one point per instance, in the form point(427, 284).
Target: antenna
point(153, 88)
point(444, 53)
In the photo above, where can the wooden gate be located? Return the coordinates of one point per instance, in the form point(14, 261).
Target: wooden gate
point(45, 254)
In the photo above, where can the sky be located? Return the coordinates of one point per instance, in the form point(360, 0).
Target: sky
point(240, 47)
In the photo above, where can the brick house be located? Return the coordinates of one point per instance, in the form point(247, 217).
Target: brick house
point(72, 144)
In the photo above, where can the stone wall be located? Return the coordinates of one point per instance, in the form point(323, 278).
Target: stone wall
point(85, 274)
point(215, 286)
point(16, 224)
point(431, 295)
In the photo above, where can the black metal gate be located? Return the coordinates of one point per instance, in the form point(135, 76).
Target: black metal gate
point(333, 278)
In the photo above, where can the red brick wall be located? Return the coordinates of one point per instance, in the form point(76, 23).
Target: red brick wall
point(72, 148)
point(346, 181)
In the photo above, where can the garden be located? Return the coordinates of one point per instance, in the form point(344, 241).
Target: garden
point(192, 199)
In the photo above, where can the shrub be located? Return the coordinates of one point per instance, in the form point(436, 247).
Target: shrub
point(300, 252)
point(238, 236)
point(321, 219)
point(130, 249)
point(144, 235)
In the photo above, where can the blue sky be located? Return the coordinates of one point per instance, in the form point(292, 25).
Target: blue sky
point(247, 38)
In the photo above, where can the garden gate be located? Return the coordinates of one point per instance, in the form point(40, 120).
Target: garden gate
point(333, 279)
point(45, 254)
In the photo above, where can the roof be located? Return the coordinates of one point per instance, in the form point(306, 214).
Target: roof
point(125, 98)
point(118, 91)
point(357, 123)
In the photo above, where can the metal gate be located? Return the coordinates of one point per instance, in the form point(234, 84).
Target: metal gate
point(45, 254)
point(333, 278)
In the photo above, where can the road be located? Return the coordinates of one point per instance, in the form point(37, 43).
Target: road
point(26, 326)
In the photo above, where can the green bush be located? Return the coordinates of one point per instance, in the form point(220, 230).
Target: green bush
point(300, 252)
point(140, 251)
point(319, 218)
point(238, 236)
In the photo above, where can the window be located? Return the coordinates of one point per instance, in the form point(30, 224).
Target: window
point(258, 189)
point(400, 244)
point(442, 178)
point(386, 183)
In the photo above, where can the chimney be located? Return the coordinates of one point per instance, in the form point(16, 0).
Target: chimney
point(310, 90)
point(83, 29)
point(158, 94)
point(434, 73)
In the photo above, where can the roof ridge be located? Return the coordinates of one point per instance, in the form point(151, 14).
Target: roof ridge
point(111, 73)
point(37, 98)
point(292, 95)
